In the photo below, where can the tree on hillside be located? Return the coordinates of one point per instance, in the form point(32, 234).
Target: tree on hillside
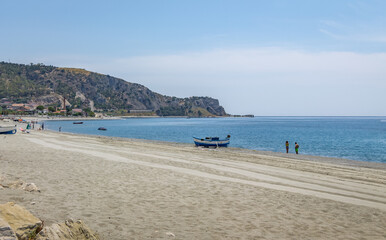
point(40, 108)
point(88, 112)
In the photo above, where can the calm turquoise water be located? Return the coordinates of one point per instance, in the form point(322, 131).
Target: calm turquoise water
point(357, 138)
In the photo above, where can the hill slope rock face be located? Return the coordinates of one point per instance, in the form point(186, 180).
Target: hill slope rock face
point(48, 85)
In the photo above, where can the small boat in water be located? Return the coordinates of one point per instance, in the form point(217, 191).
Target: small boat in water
point(7, 129)
point(102, 129)
point(212, 141)
point(77, 123)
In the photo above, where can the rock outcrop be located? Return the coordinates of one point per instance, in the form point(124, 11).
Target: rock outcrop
point(17, 183)
point(6, 232)
point(17, 223)
point(68, 230)
point(23, 224)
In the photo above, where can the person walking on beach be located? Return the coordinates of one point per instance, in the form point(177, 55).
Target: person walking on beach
point(286, 145)
point(296, 148)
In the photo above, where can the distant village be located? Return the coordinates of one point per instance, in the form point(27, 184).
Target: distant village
point(7, 107)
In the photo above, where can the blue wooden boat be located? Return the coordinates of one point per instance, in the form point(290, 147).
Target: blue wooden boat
point(212, 141)
point(7, 129)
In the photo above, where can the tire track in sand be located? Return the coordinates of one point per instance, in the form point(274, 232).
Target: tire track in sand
point(332, 194)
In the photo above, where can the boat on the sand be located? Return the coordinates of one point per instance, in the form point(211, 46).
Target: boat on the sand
point(212, 141)
point(7, 129)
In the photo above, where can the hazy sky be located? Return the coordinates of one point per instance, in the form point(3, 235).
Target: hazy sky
point(262, 57)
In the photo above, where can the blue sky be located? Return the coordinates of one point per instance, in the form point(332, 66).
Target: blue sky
point(260, 57)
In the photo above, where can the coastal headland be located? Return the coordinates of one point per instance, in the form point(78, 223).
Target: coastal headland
point(137, 189)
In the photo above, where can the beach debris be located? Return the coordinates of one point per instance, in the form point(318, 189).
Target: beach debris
point(170, 234)
point(22, 223)
point(30, 187)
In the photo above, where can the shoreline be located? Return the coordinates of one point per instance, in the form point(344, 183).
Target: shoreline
point(326, 159)
point(305, 157)
point(133, 188)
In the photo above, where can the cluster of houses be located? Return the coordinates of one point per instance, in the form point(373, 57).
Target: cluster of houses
point(32, 108)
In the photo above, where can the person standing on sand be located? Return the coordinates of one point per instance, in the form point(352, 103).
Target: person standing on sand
point(296, 148)
point(286, 145)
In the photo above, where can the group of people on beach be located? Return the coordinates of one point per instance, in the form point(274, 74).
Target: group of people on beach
point(296, 147)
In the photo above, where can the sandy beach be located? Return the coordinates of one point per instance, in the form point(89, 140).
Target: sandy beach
point(136, 189)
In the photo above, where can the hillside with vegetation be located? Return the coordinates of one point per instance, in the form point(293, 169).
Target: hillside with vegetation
point(48, 86)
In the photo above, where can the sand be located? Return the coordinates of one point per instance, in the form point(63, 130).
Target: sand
point(137, 189)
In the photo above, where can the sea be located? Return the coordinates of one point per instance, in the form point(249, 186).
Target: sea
point(355, 138)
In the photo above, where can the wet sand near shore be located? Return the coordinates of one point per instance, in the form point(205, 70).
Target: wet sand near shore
point(137, 189)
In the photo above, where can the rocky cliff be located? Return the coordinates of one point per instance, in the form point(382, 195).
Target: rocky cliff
point(49, 85)
point(17, 223)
